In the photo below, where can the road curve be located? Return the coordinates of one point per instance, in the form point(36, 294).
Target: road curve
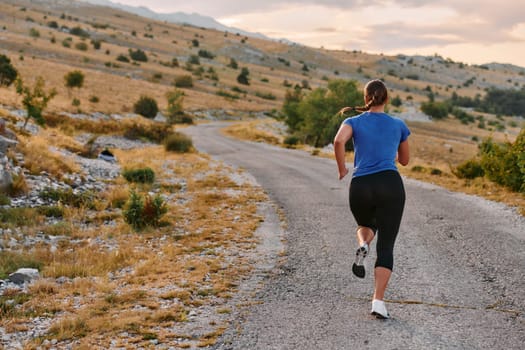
point(459, 270)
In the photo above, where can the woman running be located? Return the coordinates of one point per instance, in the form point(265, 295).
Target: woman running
point(377, 194)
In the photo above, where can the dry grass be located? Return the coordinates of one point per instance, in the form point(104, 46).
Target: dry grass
point(253, 131)
point(120, 281)
point(38, 158)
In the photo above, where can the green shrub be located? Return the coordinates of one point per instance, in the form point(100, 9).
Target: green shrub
point(469, 169)
point(145, 175)
point(122, 58)
point(206, 54)
point(291, 140)
point(138, 55)
point(504, 163)
point(227, 95)
point(183, 81)
point(70, 198)
point(435, 171)
point(4, 199)
point(79, 32)
point(51, 211)
point(34, 33)
point(266, 96)
point(94, 99)
point(418, 169)
point(144, 211)
point(146, 107)
point(436, 110)
point(178, 142)
point(155, 132)
point(81, 46)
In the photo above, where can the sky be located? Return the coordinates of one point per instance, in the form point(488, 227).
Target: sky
point(469, 31)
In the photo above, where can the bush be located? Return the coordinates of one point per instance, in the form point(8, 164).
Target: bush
point(291, 140)
point(53, 211)
point(194, 59)
point(138, 55)
point(178, 142)
point(396, 101)
point(8, 73)
point(122, 58)
point(145, 175)
point(183, 81)
point(155, 132)
point(146, 107)
point(504, 163)
point(470, 169)
point(206, 54)
point(242, 78)
point(34, 33)
point(266, 96)
point(436, 110)
point(81, 46)
point(70, 198)
point(79, 32)
point(74, 79)
point(141, 212)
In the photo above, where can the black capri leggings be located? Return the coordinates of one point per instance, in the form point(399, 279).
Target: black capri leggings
point(377, 201)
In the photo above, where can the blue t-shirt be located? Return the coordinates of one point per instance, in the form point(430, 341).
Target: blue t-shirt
point(376, 139)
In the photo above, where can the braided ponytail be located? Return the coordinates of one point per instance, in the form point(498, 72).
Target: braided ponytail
point(376, 94)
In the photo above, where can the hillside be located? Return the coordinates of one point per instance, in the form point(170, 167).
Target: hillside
point(51, 51)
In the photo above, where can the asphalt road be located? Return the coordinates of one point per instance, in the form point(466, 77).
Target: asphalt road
point(459, 270)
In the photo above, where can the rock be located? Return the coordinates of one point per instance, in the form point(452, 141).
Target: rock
point(160, 118)
point(5, 143)
point(24, 275)
point(5, 175)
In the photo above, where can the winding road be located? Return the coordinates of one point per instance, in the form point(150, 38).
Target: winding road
point(459, 270)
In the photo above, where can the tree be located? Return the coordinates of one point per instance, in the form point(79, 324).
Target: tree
point(8, 73)
point(146, 107)
point(74, 79)
point(35, 100)
point(243, 77)
point(314, 116)
point(175, 99)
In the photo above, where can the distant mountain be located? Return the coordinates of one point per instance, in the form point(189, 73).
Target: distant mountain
point(193, 19)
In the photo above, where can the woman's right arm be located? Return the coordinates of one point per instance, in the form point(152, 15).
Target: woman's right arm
point(343, 135)
point(403, 153)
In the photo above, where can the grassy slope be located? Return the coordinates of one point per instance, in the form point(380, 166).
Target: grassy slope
point(434, 146)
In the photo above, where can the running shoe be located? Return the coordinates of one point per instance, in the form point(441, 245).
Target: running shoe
point(358, 268)
point(379, 309)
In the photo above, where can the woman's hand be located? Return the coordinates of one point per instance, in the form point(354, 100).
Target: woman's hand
point(343, 173)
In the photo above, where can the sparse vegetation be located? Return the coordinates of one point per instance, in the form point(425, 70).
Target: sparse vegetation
point(35, 100)
point(144, 175)
point(178, 142)
point(146, 106)
point(143, 211)
point(183, 81)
